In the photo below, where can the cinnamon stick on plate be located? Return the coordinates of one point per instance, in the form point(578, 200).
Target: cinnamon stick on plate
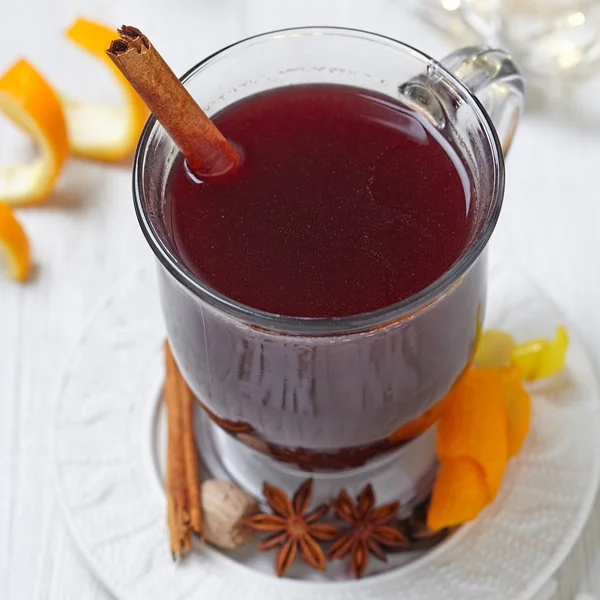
point(205, 148)
point(184, 511)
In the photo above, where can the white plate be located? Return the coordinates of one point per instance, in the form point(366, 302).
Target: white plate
point(109, 484)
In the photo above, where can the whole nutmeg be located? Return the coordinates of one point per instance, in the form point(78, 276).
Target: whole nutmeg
point(225, 506)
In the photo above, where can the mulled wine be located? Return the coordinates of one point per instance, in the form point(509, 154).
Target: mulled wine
point(346, 202)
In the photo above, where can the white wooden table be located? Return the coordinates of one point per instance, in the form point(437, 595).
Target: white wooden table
point(86, 236)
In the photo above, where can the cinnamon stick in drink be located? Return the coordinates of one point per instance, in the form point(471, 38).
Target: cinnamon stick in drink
point(205, 148)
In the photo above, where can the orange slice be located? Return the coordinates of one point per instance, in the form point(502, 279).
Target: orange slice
point(97, 131)
point(459, 494)
point(14, 245)
point(31, 103)
point(474, 424)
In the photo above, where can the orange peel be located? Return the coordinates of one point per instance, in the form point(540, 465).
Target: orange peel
point(485, 421)
point(541, 357)
point(474, 424)
point(14, 245)
point(426, 420)
point(97, 131)
point(518, 405)
point(459, 495)
point(33, 105)
point(494, 348)
point(420, 424)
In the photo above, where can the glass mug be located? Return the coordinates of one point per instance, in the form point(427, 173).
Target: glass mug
point(287, 395)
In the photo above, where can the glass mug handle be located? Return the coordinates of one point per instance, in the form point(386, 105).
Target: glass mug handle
point(493, 77)
point(489, 74)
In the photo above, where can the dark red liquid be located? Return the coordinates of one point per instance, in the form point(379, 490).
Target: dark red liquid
point(346, 202)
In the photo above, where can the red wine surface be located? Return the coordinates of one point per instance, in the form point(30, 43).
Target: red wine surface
point(347, 201)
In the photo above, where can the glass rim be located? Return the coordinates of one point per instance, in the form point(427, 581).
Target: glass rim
point(323, 325)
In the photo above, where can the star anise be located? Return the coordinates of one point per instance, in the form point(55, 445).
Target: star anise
point(293, 528)
point(369, 533)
